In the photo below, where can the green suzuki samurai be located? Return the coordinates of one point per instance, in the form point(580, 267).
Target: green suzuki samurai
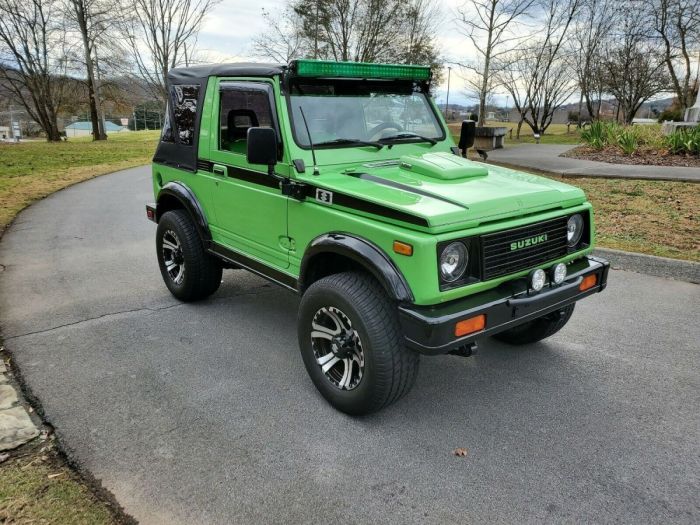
point(341, 182)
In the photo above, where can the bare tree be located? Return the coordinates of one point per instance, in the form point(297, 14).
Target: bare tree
point(634, 66)
point(94, 21)
point(551, 80)
point(351, 30)
point(284, 40)
point(677, 25)
point(354, 30)
point(539, 76)
point(512, 75)
point(588, 41)
point(31, 59)
point(490, 25)
point(418, 37)
point(162, 35)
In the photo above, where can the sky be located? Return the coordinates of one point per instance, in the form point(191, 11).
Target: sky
point(228, 32)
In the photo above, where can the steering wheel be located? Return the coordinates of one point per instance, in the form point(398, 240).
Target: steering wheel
point(374, 132)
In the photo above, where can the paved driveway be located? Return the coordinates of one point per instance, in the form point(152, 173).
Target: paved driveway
point(547, 157)
point(203, 413)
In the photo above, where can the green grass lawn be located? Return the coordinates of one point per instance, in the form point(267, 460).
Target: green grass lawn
point(652, 217)
point(33, 170)
point(37, 487)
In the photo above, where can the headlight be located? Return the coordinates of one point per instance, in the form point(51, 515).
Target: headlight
point(574, 230)
point(453, 262)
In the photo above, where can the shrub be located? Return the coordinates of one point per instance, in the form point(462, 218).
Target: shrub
point(595, 135)
point(649, 135)
point(684, 141)
point(627, 140)
point(671, 114)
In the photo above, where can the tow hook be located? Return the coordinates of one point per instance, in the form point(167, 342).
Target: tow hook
point(464, 350)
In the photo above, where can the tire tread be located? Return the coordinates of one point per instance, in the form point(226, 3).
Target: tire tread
point(203, 270)
point(397, 366)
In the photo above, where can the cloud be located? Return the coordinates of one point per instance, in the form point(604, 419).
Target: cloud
point(228, 31)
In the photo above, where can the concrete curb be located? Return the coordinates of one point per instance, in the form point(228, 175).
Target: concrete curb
point(638, 176)
point(652, 265)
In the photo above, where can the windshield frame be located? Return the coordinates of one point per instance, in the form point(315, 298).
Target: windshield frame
point(421, 88)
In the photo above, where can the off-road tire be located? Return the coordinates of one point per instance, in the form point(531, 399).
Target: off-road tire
point(202, 272)
point(537, 329)
point(390, 368)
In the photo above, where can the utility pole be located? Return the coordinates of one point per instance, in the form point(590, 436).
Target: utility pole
point(447, 99)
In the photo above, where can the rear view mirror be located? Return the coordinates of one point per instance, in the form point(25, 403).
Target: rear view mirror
point(466, 136)
point(262, 146)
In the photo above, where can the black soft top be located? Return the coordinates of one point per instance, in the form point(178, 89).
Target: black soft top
point(181, 75)
point(186, 89)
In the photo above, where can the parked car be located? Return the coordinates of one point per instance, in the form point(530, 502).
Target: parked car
point(307, 175)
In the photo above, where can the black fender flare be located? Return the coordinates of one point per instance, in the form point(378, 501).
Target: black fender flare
point(187, 198)
point(363, 252)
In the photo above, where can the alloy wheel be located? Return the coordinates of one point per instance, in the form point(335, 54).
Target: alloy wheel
point(172, 256)
point(337, 348)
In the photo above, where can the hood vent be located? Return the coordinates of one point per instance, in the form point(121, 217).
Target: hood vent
point(444, 166)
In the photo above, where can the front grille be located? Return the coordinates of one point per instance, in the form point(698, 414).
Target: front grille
point(499, 259)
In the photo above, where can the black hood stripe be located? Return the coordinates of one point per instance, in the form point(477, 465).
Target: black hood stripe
point(339, 198)
point(405, 187)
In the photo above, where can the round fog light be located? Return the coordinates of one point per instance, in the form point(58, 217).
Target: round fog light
point(559, 273)
point(537, 279)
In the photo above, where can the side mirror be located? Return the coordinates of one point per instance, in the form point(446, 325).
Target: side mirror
point(467, 136)
point(262, 147)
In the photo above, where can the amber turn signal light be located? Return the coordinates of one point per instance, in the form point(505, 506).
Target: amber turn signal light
point(471, 325)
point(402, 248)
point(588, 282)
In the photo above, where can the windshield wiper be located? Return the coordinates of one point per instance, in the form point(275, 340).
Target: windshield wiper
point(349, 141)
point(410, 135)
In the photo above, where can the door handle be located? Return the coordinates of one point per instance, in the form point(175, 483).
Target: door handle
point(219, 170)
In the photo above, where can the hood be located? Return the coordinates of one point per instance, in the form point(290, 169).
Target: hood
point(450, 192)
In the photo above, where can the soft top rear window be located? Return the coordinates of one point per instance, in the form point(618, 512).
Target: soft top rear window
point(184, 104)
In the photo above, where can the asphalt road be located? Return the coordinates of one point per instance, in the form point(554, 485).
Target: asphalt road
point(203, 413)
point(547, 157)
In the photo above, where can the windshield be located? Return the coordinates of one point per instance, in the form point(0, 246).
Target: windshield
point(343, 113)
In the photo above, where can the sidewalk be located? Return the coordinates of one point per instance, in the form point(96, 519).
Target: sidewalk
point(546, 157)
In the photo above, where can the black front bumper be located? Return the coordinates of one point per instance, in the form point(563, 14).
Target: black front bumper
point(430, 329)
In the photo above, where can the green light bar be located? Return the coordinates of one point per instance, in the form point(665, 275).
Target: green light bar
point(323, 68)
